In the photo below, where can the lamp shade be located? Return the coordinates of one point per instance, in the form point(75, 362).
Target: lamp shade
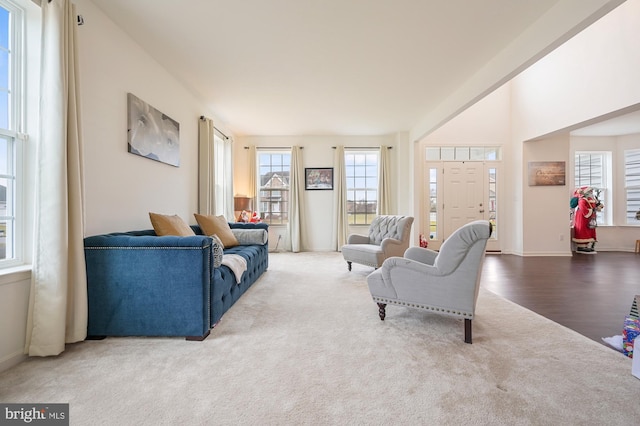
point(241, 203)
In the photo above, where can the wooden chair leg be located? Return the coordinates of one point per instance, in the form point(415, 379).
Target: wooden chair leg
point(381, 310)
point(467, 330)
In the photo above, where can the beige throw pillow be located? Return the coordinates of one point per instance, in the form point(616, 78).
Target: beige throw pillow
point(217, 225)
point(170, 225)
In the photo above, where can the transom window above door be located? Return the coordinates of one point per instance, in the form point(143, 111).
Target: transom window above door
point(463, 153)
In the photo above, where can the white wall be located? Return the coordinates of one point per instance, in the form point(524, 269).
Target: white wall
point(318, 221)
point(546, 208)
point(14, 305)
point(592, 75)
point(122, 188)
point(589, 76)
point(487, 123)
point(561, 21)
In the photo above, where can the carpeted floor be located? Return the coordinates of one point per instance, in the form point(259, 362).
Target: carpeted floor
point(305, 346)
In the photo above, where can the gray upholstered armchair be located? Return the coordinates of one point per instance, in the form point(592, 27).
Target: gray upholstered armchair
point(388, 236)
point(445, 282)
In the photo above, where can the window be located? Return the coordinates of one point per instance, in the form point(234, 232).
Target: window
point(10, 126)
point(590, 169)
point(593, 169)
point(493, 200)
point(632, 185)
point(273, 198)
point(433, 203)
point(361, 169)
point(463, 153)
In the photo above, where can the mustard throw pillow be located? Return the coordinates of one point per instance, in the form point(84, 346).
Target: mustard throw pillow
point(170, 225)
point(217, 225)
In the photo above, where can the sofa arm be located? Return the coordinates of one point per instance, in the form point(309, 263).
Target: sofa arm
point(144, 285)
point(358, 239)
point(392, 247)
point(421, 255)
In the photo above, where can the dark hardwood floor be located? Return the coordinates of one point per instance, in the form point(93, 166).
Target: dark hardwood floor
point(590, 294)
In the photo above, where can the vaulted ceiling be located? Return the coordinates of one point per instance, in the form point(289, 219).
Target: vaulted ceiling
point(348, 67)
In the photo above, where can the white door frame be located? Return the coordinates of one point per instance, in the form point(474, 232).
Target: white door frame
point(445, 227)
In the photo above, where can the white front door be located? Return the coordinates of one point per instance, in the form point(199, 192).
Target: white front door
point(464, 194)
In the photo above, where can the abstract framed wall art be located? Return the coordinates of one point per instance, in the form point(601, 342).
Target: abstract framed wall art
point(546, 173)
point(152, 134)
point(318, 178)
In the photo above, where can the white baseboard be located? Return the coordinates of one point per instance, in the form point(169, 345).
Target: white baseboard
point(547, 253)
point(11, 360)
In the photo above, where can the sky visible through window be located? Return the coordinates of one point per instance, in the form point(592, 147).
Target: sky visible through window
point(4, 68)
point(4, 83)
point(7, 128)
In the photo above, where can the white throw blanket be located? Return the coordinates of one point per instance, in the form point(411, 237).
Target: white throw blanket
point(236, 263)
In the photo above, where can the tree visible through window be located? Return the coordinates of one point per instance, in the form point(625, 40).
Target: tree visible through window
point(362, 185)
point(273, 199)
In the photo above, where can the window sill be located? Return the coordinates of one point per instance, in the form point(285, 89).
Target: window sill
point(15, 274)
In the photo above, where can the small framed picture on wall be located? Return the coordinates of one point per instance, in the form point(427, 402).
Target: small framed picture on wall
point(318, 178)
point(545, 173)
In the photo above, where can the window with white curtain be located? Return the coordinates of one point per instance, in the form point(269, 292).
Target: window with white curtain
point(274, 168)
point(11, 52)
point(361, 171)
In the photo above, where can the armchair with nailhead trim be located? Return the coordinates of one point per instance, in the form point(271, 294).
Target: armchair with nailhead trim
point(445, 282)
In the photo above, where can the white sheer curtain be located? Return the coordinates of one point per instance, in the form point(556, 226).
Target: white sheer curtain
point(253, 177)
point(206, 167)
point(384, 182)
point(296, 200)
point(223, 177)
point(341, 228)
point(215, 171)
point(58, 298)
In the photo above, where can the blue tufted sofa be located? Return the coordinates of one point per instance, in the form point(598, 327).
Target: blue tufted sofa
point(140, 284)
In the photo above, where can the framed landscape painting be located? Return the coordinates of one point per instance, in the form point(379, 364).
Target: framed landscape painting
point(152, 134)
point(545, 173)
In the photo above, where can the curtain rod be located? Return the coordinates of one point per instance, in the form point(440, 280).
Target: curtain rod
point(274, 147)
point(79, 18)
point(362, 147)
point(202, 117)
